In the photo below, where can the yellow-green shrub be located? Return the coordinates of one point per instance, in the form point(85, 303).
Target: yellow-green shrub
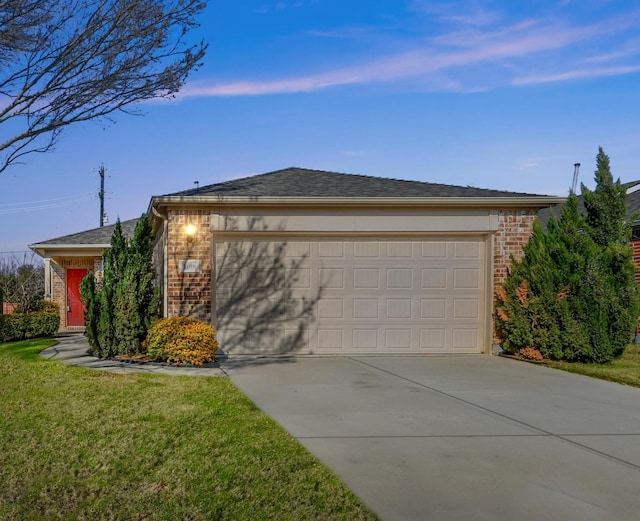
point(182, 340)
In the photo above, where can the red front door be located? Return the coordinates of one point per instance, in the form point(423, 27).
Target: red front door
point(75, 309)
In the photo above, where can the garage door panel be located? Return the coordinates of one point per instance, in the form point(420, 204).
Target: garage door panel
point(364, 338)
point(366, 250)
point(400, 249)
point(399, 278)
point(398, 308)
point(434, 250)
point(331, 278)
point(466, 278)
point(331, 250)
point(433, 278)
point(465, 339)
point(375, 296)
point(466, 308)
point(433, 339)
point(433, 308)
point(366, 278)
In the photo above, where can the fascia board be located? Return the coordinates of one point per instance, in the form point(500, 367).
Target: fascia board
point(392, 202)
point(44, 249)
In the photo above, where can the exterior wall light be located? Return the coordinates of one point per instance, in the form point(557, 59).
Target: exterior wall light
point(190, 230)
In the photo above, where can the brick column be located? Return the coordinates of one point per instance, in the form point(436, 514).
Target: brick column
point(514, 230)
point(189, 293)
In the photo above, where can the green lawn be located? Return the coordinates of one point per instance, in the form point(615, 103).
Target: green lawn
point(626, 370)
point(80, 444)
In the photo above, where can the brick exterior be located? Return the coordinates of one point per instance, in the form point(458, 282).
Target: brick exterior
point(59, 280)
point(189, 294)
point(514, 230)
point(636, 257)
point(8, 308)
point(59, 291)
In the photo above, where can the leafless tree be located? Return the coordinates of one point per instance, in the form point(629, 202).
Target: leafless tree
point(21, 279)
point(67, 61)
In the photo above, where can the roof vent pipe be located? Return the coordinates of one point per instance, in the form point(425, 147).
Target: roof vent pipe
point(576, 167)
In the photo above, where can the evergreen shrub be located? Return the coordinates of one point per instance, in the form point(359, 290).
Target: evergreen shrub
point(121, 307)
point(573, 295)
point(22, 326)
point(182, 340)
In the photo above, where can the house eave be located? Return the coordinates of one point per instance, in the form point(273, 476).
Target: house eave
point(68, 250)
point(533, 202)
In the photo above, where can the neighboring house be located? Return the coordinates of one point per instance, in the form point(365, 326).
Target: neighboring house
point(67, 260)
point(8, 308)
point(313, 262)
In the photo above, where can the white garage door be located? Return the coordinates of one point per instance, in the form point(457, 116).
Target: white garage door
point(351, 296)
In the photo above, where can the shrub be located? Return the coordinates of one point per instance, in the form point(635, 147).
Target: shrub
point(531, 353)
point(121, 307)
point(182, 340)
point(21, 326)
point(573, 295)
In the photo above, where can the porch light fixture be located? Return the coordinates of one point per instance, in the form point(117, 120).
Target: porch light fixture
point(190, 231)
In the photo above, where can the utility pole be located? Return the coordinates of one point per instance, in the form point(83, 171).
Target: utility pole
point(101, 194)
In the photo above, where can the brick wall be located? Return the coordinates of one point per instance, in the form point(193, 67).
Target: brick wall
point(59, 280)
point(514, 230)
point(59, 291)
point(189, 294)
point(636, 257)
point(8, 308)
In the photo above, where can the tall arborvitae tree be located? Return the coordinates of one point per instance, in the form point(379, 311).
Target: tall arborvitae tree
point(573, 296)
point(606, 206)
point(615, 293)
point(91, 302)
point(126, 302)
point(113, 269)
point(147, 296)
point(135, 297)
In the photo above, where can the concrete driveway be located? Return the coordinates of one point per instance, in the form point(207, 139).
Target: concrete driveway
point(461, 438)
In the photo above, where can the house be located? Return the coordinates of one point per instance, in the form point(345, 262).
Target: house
point(67, 260)
point(314, 262)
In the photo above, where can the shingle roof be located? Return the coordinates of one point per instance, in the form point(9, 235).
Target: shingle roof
point(302, 182)
point(96, 236)
point(633, 204)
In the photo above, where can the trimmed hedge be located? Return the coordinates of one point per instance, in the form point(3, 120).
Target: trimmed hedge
point(181, 340)
point(22, 326)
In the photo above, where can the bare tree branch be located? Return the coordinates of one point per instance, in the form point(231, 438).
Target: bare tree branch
point(67, 61)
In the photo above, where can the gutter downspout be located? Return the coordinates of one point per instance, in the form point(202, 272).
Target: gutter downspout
point(165, 262)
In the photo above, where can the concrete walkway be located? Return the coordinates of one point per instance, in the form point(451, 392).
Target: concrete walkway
point(73, 349)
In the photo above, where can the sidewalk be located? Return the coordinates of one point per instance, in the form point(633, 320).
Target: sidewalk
point(73, 349)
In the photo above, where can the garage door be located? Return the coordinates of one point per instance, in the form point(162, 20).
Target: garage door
point(351, 296)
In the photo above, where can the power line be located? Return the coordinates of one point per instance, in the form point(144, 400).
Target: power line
point(12, 208)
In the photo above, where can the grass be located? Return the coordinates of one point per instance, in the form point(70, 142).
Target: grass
point(81, 444)
point(625, 370)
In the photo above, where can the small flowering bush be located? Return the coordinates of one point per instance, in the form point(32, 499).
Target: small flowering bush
point(181, 340)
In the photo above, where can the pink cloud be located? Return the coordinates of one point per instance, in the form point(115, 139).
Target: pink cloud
point(577, 75)
point(439, 54)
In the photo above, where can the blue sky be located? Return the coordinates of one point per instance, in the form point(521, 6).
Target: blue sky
point(493, 94)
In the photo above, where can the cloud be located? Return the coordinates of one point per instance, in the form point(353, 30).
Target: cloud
point(497, 52)
point(577, 74)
